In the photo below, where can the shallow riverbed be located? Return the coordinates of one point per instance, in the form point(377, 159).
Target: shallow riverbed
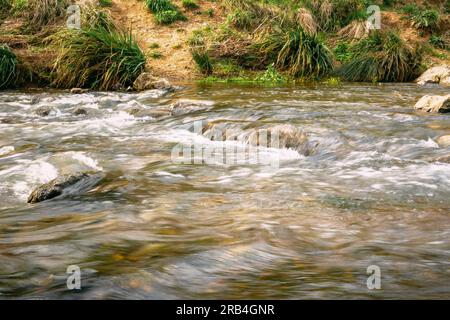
point(370, 193)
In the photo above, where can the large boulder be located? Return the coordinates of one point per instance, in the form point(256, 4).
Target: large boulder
point(146, 81)
point(439, 74)
point(434, 104)
point(65, 184)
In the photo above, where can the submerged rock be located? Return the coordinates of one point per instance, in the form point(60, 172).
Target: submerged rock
point(69, 183)
point(439, 74)
point(43, 111)
point(291, 137)
point(146, 81)
point(434, 104)
point(139, 111)
point(184, 106)
point(80, 111)
point(443, 141)
point(443, 159)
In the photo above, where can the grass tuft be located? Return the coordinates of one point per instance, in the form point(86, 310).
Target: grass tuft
point(8, 67)
point(382, 57)
point(203, 62)
point(299, 53)
point(98, 58)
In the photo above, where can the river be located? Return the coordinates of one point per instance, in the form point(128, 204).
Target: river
point(370, 192)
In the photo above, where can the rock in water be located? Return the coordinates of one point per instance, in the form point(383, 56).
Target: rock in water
point(439, 74)
point(69, 183)
point(43, 111)
point(443, 141)
point(434, 104)
point(78, 90)
point(146, 81)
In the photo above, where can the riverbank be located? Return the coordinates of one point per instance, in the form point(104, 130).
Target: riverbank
point(233, 41)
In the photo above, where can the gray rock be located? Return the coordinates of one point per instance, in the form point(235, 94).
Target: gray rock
point(35, 100)
point(146, 81)
point(434, 104)
point(438, 74)
point(43, 111)
point(65, 184)
point(80, 111)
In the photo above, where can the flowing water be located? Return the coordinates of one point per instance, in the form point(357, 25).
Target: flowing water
point(371, 191)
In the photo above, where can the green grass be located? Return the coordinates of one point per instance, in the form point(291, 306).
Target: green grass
point(203, 62)
point(383, 57)
point(426, 20)
point(99, 59)
point(209, 12)
point(165, 11)
point(5, 5)
point(190, 4)
point(105, 3)
point(8, 67)
point(154, 54)
point(342, 52)
point(271, 75)
point(169, 16)
point(156, 6)
point(299, 53)
point(438, 42)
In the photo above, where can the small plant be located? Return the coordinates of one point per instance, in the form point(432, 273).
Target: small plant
point(426, 20)
point(241, 19)
point(209, 12)
point(8, 67)
point(438, 42)
point(332, 81)
point(105, 3)
point(154, 45)
point(343, 52)
point(203, 62)
point(18, 6)
point(271, 75)
point(155, 54)
point(156, 6)
point(169, 16)
point(190, 4)
point(410, 9)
